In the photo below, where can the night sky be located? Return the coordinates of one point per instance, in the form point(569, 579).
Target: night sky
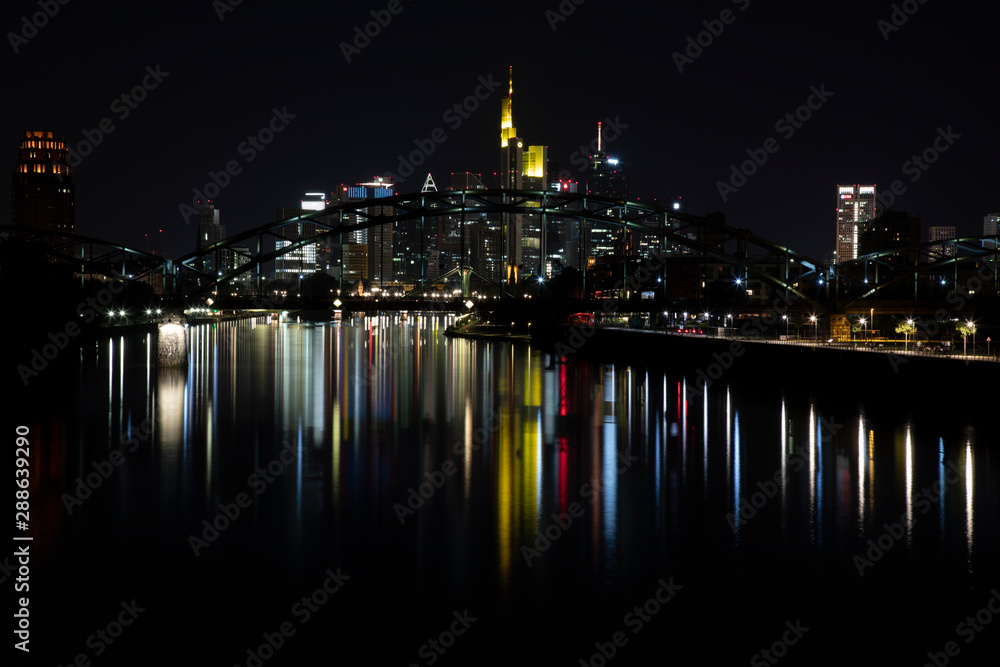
point(228, 68)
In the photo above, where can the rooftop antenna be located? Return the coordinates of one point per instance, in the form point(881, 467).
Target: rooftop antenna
point(429, 184)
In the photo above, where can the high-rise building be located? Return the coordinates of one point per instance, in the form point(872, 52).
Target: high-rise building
point(240, 257)
point(471, 240)
point(42, 194)
point(378, 239)
point(990, 229)
point(942, 250)
point(534, 169)
point(606, 178)
point(855, 205)
point(304, 259)
point(892, 229)
point(511, 173)
point(210, 231)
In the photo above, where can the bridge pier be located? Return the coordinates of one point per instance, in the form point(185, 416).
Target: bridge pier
point(171, 340)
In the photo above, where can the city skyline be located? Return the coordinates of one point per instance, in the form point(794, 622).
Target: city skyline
point(287, 396)
point(680, 128)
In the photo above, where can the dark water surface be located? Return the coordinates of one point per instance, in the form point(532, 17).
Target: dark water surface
point(512, 510)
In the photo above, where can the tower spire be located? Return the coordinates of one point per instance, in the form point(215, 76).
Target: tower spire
point(507, 129)
point(598, 136)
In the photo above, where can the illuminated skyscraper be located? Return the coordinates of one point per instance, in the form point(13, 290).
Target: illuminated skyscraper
point(511, 172)
point(303, 260)
point(378, 239)
point(210, 231)
point(855, 205)
point(41, 185)
point(607, 179)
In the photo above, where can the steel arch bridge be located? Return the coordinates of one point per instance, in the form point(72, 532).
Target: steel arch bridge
point(93, 256)
point(878, 271)
point(667, 232)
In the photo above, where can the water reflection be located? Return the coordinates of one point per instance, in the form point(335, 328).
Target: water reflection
point(376, 410)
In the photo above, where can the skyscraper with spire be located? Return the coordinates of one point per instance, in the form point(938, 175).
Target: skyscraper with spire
point(511, 165)
point(605, 178)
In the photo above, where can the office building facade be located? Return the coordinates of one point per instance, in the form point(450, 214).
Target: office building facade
point(855, 206)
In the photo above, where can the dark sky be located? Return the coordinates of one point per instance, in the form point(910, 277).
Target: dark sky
point(680, 133)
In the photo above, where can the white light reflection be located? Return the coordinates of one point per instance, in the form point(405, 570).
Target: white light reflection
point(704, 436)
point(783, 451)
point(729, 438)
point(909, 488)
point(819, 483)
point(736, 476)
point(862, 459)
point(812, 472)
point(968, 503)
point(941, 485)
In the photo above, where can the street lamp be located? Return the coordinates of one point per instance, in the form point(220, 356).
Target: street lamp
point(812, 318)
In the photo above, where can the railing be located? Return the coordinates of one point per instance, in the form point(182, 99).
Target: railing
point(869, 346)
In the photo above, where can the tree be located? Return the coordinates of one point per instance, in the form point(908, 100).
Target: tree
point(906, 328)
point(966, 329)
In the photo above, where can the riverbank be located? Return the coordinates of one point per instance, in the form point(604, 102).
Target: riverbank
point(708, 361)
